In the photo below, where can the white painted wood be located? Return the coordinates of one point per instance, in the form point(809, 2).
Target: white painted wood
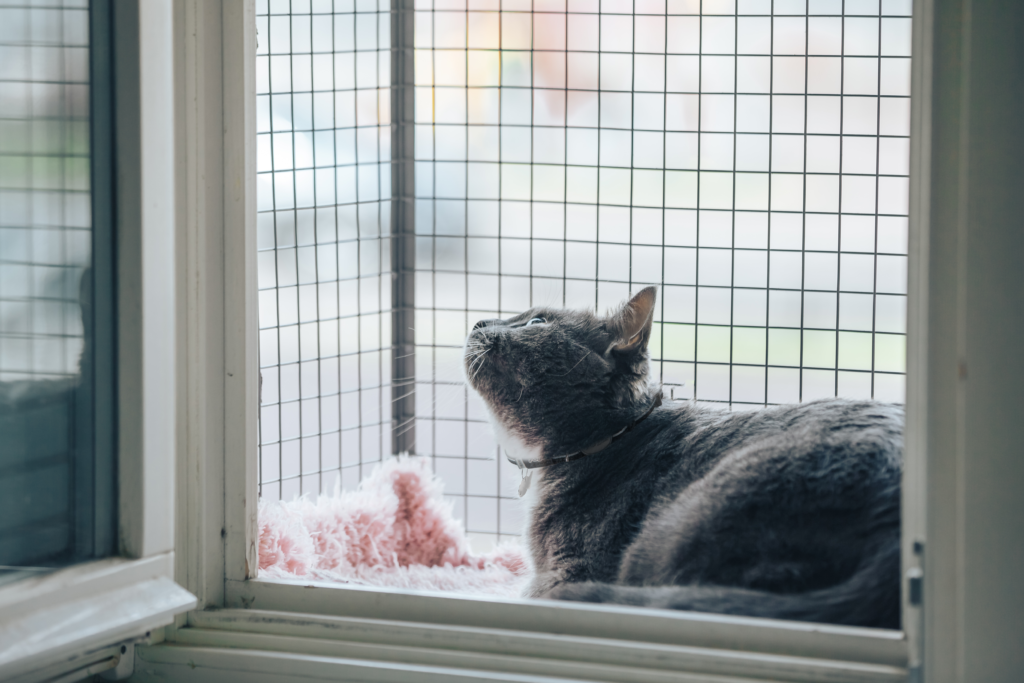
point(693, 629)
point(915, 469)
point(61, 616)
point(157, 139)
point(215, 96)
point(608, 659)
point(200, 565)
point(222, 665)
point(41, 636)
point(49, 623)
point(408, 634)
point(145, 287)
point(89, 664)
point(79, 580)
point(972, 314)
point(432, 656)
point(240, 286)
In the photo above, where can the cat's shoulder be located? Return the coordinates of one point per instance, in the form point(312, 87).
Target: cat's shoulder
point(837, 410)
point(830, 409)
point(835, 416)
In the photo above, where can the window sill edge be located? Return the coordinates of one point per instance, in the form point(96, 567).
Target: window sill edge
point(73, 612)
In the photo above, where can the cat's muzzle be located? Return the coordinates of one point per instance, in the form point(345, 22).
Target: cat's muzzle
point(491, 322)
point(478, 356)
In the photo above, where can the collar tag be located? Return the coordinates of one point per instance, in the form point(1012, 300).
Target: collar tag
point(527, 477)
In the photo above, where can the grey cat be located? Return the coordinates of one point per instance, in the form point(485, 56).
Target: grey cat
point(790, 512)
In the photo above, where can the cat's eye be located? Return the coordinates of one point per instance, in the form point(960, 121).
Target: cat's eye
point(536, 321)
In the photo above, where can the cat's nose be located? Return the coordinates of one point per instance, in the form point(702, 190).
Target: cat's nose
point(486, 323)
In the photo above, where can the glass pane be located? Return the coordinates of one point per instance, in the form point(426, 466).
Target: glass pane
point(56, 347)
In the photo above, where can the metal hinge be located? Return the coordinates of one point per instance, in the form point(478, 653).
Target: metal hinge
point(915, 578)
point(915, 598)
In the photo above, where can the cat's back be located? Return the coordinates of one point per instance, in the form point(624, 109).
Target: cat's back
point(830, 422)
point(785, 498)
point(855, 437)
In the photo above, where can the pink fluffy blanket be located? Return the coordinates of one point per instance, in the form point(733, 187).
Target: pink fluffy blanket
point(396, 530)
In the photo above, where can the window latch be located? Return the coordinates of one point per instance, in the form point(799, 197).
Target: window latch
point(915, 586)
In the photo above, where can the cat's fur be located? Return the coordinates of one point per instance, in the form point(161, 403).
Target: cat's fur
point(789, 512)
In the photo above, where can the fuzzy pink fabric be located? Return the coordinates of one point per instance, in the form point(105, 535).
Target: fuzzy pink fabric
point(395, 531)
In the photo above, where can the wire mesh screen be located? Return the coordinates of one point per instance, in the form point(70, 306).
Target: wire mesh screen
point(45, 219)
point(323, 154)
point(750, 157)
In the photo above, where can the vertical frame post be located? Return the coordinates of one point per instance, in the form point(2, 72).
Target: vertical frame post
point(913, 513)
point(240, 333)
point(215, 239)
point(403, 228)
point(145, 213)
point(970, 311)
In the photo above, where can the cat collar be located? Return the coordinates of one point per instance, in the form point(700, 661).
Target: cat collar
point(525, 465)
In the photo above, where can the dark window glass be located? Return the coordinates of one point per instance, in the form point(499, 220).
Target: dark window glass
point(57, 342)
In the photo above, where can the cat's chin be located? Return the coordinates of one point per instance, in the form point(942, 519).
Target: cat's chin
point(514, 446)
point(512, 443)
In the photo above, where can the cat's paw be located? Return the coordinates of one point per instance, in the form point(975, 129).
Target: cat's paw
point(578, 592)
point(541, 584)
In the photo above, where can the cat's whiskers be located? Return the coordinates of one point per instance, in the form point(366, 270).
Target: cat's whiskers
point(406, 395)
point(404, 423)
point(473, 358)
point(477, 365)
point(435, 404)
point(444, 394)
point(442, 401)
point(472, 354)
point(577, 364)
point(438, 403)
point(453, 392)
point(475, 350)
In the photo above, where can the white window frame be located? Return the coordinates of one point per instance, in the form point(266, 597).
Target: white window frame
point(73, 622)
point(267, 631)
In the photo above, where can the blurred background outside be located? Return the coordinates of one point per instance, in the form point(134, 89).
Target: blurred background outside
point(748, 157)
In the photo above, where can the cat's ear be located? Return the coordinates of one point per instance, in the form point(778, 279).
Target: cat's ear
point(631, 325)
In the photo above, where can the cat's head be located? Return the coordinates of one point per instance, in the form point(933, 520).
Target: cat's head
point(559, 381)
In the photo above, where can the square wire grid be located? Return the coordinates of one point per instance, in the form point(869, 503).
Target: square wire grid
point(324, 190)
point(751, 160)
point(45, 209)
point(749, 157)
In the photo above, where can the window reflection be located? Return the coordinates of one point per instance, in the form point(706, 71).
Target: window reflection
point(47, 476)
